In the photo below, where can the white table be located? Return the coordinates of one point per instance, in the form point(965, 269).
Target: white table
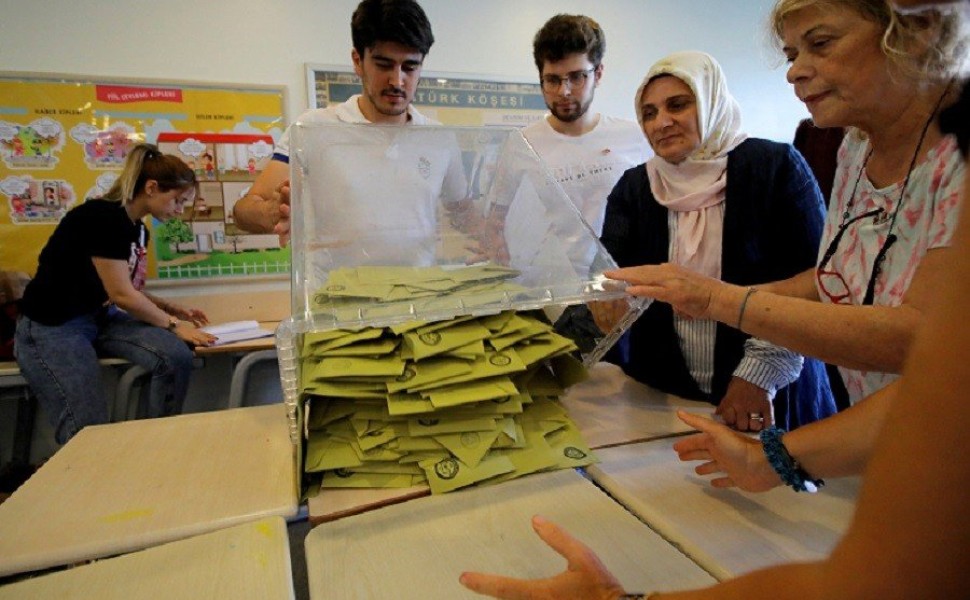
point(127, 486)
point(610, 408)
point(726, 531)
point(419, 549)
point(251, 560)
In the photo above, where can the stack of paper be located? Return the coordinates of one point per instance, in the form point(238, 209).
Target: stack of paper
point(450, 403)
point(236, 331)
point(427, 288)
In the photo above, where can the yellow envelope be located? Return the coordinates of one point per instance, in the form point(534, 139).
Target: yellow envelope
point(533, 328)
point(323, 453)
point(379, 347)
point(327, 346)
point(400, 328)
point(426, 426)
point(428, 371)
point(410, 445)
point(450, 473)
point(570, 448)
point(536, 455)
point(335, 388)
point(470, 352)
point(348, 479)
point(382, 436)
point(495, 323)
point(408, 404)
point(493, 364)
point(431, 343)
point(539, 381)
point(569, 370)
point(358, 367)
point(469, 447)
point(325, 412)
point(471, 391)
point(542, 346)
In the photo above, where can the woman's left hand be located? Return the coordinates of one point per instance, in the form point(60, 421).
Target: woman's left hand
point(192, 315)
point(585, 576)
point(689, 293)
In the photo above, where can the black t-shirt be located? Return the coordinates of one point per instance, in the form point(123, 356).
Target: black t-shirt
point(67, 284)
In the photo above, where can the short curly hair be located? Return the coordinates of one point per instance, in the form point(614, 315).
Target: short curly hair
point(568, 34)
point(899, 30)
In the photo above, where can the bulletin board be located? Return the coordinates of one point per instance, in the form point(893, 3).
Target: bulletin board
point(64, 138)
point(450, 98)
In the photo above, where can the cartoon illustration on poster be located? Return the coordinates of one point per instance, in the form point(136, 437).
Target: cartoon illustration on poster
point(65, 139)
point(205, 236)
point(242, 162)
point(33, 146)
point(32, 201)
point(105, 149)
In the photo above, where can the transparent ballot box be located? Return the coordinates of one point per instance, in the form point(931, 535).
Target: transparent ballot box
point(400, 224)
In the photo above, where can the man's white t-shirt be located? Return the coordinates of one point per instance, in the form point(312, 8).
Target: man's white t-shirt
point(376, 190)
point(346, 112)
point(588, 166)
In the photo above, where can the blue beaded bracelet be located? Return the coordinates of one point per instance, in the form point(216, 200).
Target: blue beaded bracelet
point(787, 467)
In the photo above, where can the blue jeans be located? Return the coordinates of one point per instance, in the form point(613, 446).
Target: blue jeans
point(60, 363)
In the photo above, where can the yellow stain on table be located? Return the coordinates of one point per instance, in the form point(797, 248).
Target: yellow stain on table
point(128, 515)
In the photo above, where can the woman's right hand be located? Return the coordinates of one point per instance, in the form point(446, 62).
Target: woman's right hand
point(189, 334)
point(738, 457)
point(689, 293)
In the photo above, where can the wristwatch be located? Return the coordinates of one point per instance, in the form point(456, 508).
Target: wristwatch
point(172, 323)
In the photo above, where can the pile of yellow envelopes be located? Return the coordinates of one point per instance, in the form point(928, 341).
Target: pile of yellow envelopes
point(386, 289)
point(447, 404)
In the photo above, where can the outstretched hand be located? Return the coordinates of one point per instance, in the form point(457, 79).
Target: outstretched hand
point(738, 457)
point(585, 576)
point(689, 293)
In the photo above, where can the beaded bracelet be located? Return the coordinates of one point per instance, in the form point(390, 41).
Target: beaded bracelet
point(787, 467)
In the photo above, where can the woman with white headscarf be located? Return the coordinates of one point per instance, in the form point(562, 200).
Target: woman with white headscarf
point(738, 209)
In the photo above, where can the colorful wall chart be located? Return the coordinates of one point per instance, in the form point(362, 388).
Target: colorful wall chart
point(63, 139)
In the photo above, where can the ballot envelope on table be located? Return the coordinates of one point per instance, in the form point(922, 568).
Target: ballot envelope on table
point(405, 226)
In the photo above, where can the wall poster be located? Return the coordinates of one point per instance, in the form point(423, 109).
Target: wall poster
point(64, 138)
point(451, 98)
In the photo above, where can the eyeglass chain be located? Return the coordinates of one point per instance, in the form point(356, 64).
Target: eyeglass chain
point(891, 237)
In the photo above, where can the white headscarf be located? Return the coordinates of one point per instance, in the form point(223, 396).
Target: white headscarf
point(694, 188)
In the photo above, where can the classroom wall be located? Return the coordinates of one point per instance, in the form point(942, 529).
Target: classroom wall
point(252, 41)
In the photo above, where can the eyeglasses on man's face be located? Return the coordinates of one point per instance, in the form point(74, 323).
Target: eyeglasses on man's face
point(574, 80)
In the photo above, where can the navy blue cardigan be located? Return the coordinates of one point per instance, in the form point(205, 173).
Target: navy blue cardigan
point(773, 221)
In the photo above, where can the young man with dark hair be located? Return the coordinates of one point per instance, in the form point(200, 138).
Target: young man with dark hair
point(390, 39)
point(586, 151)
